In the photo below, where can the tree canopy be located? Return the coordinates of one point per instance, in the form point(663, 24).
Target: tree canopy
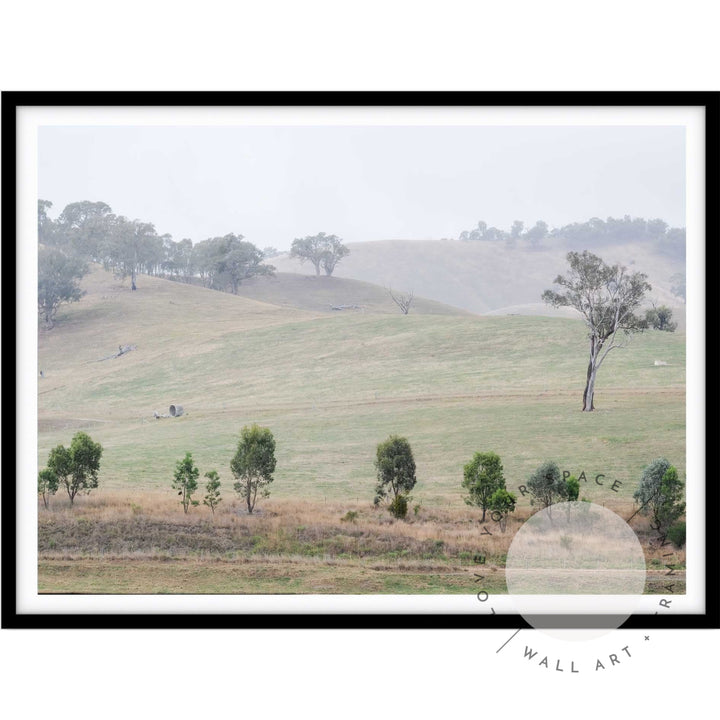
point(546, 485)
point(59, 278)
point(660, 318)
point(76, 468)
point(501, 504)
point(319, 250)
point(395, 468)
point(224, 262)
point(185, 481)
point(482, 477)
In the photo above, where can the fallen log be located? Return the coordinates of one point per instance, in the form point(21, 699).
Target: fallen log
point(122, 350)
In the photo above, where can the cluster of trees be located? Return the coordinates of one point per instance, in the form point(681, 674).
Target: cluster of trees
point(484, 481)
point(660, 318)
point(87, 232)
point(90, 232)
point(185, 481)
point(594, 231)
point(660, 494)
point(222, 263)
point(252, 466)
point(531, 236)
point(321, 251)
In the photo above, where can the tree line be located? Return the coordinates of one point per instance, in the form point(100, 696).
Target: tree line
point(86, 232)
point(91, 232)
point(659, 495)
point(595, 231)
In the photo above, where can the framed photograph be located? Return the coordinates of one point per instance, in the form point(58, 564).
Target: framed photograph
point(339, 360)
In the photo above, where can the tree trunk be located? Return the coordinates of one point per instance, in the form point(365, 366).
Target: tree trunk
point(589, 394)
point(132, 280)
point(483, 517)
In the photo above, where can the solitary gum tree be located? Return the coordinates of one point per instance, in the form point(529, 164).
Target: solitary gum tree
point(254, 464)
point(76, 468)
point(607, 297)
point(482, 477)
point(395, 467)
point(185, 481)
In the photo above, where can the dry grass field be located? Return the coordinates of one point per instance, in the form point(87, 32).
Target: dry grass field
point(142, 542)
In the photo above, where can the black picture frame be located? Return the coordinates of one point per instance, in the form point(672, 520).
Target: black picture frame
point(13, 101)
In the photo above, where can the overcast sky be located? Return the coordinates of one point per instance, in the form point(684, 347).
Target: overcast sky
point(273, 184)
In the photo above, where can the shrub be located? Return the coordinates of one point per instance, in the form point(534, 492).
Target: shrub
point(501, 504)
point(573, 488)
point(660, 318)
point(349, 516)
point(660, 494)
point(399, 507)
point(676, 534)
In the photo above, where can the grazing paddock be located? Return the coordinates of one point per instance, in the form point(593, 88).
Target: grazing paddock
point(330, 386)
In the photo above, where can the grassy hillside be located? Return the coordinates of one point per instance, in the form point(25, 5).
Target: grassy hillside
point(332, 385)
point(486, 276)
point(322, 293)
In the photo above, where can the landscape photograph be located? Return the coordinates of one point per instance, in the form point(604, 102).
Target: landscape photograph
point(357, 359)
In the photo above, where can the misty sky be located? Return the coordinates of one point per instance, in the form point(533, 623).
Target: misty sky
point(273, 184)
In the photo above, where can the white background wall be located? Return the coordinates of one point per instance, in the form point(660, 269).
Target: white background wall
point(367, 45)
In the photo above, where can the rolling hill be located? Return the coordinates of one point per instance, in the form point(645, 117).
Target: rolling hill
point(484, 277)
point(331, 385)
point(322, 294)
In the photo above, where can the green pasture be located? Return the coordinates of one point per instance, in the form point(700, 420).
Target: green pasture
point(332, 385)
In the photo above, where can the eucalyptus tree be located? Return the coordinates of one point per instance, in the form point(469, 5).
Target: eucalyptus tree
point(319, 250)
point(223, 263)
point(253, 464)
point(482, 477)
point(76, 468)
point(59, 276)
point(607, 297)
point(83, 227)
